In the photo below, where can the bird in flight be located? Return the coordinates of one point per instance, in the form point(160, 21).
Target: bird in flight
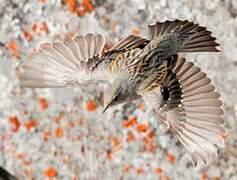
point(181, 95)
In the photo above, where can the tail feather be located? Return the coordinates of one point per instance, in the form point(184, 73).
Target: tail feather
point(62, 63)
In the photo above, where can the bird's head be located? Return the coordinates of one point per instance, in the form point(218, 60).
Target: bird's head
point(121, 91)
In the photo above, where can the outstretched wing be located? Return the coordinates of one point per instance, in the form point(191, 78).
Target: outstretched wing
point(191, 107)
point(63, 63)
point(75, 60)
point(185, 36)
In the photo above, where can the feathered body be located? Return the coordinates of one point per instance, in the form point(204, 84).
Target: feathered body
point(182, 96)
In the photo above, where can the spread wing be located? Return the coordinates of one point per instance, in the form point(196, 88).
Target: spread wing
point(191, 107)
point(184, 36)
point(75, 60)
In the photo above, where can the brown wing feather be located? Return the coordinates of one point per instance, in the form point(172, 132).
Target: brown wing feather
point(130, 42)
point(188, 36)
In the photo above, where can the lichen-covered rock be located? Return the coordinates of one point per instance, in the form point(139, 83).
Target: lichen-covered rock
point(74, 139)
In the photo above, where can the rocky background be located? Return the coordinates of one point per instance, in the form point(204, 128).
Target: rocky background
point(63, 134)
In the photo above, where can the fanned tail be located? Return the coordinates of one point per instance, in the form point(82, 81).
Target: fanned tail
point(61, 63)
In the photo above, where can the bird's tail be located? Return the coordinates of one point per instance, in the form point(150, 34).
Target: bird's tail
point(61, 63)
point(190, 37)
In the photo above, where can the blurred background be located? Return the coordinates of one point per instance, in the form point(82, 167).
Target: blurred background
point(63, 134)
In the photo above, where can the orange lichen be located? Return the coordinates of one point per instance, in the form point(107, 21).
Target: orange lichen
point(64, 1)
point(71, 5)
point(130, 137)
point(141, 127)
point(15, 123)
point(148, 141)
point(87, 5)
point(19, 155)
point(149, 134)
point(45, 135)
point(26, 35)
point(81, 11)
point(34, 27)
point(126, 168)
point(42, 1)
point(115, 144)
point(114, 25)
point(12, 45)
point(151, 147)
point(57, 118)
point(130, 122)
point(5, 137)
point(140, 106)
point(109, 155)
point(135, 32)
point(74, 178)
point(170, 157)
point(70, 34)
point(158, 170)
point(203, 176)
point(58, 132)
point(80, 121)
point(24, 112)
point(70, 123)
point(139, 171)
point(30, 123)
point(148, 145)
point(26, 163)
point(90, 105)
point(50, 172)
point(43, 27)
point(43, 104)
point(164, 178)
point(27, 173)
point(114, 141)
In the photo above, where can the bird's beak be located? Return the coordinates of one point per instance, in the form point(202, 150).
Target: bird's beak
point(107, 106)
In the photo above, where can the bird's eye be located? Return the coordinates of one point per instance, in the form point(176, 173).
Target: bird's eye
point(116, 98)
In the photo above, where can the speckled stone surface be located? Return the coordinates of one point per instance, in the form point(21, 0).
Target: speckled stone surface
point(93, 145)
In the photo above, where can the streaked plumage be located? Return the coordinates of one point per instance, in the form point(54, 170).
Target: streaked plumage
point(182, 95)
